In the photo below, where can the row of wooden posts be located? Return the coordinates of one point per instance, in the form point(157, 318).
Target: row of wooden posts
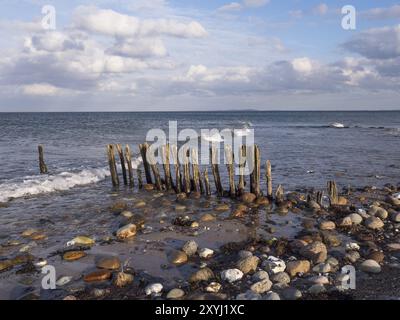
point(192, 179)
point(188, 176)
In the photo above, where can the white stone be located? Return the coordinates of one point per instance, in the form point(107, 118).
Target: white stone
point(352, 246)
point(231, 275)
point(370, 266)
point(153, 288)
point(213, 287)
point(274, 265)
point(206, 253)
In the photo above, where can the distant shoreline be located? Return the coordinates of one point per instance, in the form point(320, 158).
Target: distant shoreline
point(208, 111)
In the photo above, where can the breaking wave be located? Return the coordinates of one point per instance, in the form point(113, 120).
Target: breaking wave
point(35, 185)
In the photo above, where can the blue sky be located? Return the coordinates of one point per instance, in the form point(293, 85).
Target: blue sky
point(199, 55)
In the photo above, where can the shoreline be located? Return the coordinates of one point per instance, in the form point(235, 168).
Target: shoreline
point(241, 234)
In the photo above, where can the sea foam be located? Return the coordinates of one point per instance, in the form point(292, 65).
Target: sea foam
point(35, 185)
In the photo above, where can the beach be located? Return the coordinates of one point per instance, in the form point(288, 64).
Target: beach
point(110, 242)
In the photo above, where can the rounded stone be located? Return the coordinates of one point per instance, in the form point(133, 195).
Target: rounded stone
point(99, 275)
point(370, 266)
point(126, 232)
point(207, 217)
point(74, 255)
point(175, 294)
point(123, 279)
point(374, 223)
point(272, 296)
point(109, 263)
point(281, 277)
point(299, 266)
point(378, 212)
point(206, 253)
point(327, 225)
point(356, 219)
point(190, 248)
point(154, 288)
point(248, 264)
point(204, 274)
point(378, 256)
point(261, 286)
point(179, 257)
point(260, 275)
point(231, 275)
point(315, 251)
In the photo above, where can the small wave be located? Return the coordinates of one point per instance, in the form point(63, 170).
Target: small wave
point(35, 185)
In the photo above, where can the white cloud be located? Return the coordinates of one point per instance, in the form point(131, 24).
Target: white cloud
point(296, 14)
point(303, 65)
point(382, 13)
point(139, 48)
point(379, 43)
point(41, 89)
point(321, 9)
point(233, 6)
point(112, 23)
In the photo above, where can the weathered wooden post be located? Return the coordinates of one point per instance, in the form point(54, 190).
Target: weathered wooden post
point(139, 176)
point(197, 184)
point(268, 176)
point(128, 156)
point(215, 170)
point(207, 183)
point(122, 159)
point(166, 165)
point(42, 164)
point(320, 195)
point(113, 166)
point(186, 172)
point(230, 167)
point(257, 171)
point(242, 168)
point(279, 195)
point(332, 191)
point(178, 177)
point(156, 173)
point(143, 151)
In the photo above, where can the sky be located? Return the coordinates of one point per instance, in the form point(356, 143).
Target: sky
point(176, 55)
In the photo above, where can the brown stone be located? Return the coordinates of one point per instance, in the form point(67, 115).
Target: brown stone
point(179, 257)
point(342, 201)
point(110, 263)
point(378, 256)
point(203, 274)
point(262, 201)
point(207, 217)
point(73, 255)
point(327, 225)
point(299, 266)
point(248, 197)
point(126, 232)
point(315, 251)
point(122, 279)
point(148, 187)
point(248, 264)
point(99, 275)
point(223, 207)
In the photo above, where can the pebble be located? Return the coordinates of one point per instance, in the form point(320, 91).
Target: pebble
point(127, 214)
point(175, 293)
point(213, 287)
point(181, 196)
point(203, 274)
point(110, 263)
point(378, 256)
point(190, 248)
point(98, 293)
point(395, 216)
point(315, 251)
point(299, 266)
point(281, 277)
point(178, 257)
point(356, 219)
point(5, 264)
point(322, 268)
point(260, 275)
point(248, 264)
point(345, 222)
point(248, 197)
point(273, 265)
point(99, 275)
point(207, 218)
point(122, 279)
point(70, 298)
point(333, 262)
point(261, 286)
point(248, 295)
point(319, 280)
point(62, 281)
point(28, 232)
point(244, 254)
point(374, 223)
point(82, 240)
point(393, 246)
point(352, 256)
point(74, 255)
point(291, 294)
point(370, 266)
point(352, 246)
point(272, 296)
point(126, 232)
point(206, 253)
point(154, 288)
point(378, 212)
point(231, 275)
point(327, 225)
point(317, 289)
point(223, 207)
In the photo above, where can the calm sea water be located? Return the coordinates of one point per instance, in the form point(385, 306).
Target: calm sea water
point(303, 149)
